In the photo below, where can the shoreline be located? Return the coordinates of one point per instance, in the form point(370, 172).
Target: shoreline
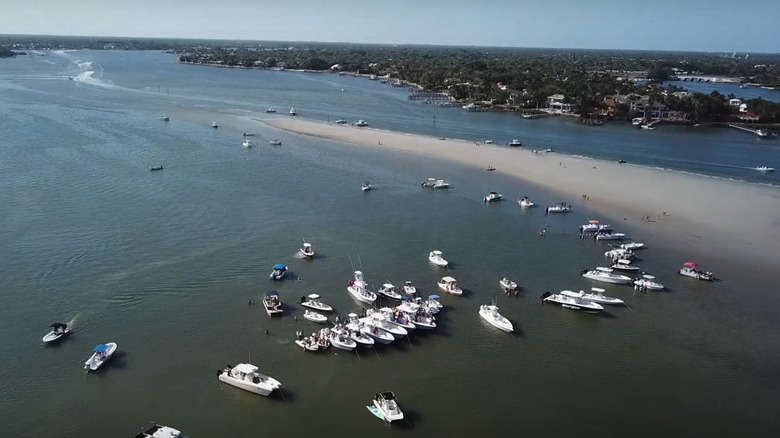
point(703, 213)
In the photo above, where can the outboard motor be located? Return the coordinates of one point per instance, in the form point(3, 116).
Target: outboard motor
point(545, 295)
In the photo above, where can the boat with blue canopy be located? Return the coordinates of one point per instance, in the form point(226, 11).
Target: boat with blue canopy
point(101, 354)
point(279, 271)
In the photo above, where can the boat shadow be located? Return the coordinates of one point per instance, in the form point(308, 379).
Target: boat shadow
point(283, 395)
point(411, 419)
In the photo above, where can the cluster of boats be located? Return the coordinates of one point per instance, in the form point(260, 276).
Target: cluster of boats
point(100, 354)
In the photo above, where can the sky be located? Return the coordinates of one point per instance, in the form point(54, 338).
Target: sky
point(691, 25)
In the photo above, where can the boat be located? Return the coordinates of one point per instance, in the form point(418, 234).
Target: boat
point(619, 253)
point(165, 118)
point(366, 186)
point(515, 143)
point(357, 289)
point(647, 127)
point(573, 303)
point(429, 183)
point(157, 167)
point(608, 235)
point(313, 316)
point(275, 142)
point(246, 377)
point(341, 340)
point(279, 271)
point(631, 246)
point(102, 353)
point(312, 301)
point(214, 125)
point(489, 313)
point(58, 331)
point(433, 304)
point(307, 250)
point(382, 322)
point(385, 404)
point(441, 184)
point(492, 197)
point(351, 329)
point(450, 285)
point(436, 258)
point(624, 265)
point(272, 304)
point(409, 289)
point(488, 142)
point(388, 291)
point(596, 296)
point(558, 208)
point(395, 317)
point(647, 282)
point(763, 133)
point(525, 202)
point(593, 226)
point(423, 320)
point(160, 431)
point(690, 269)
point(361, 123)
point(490, 168)
point(249, 134)
point(247, 143)
point(605, 275)
point(308, 343)
point(765, 169)
point(507, 284)
point(341, 122)
point(292, 112)
point(369, 327)
point(271, 110)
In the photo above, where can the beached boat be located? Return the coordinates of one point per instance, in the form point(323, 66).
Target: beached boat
point(272, 304)
point(271, 110)
point(388, 291)
point(101, 354)
point(436, 258)
point(341, 122)
point(525, 202)
point(409, 289)
point(275, 142)
point(58, 331)
point(596, 296)
point(647, 282)
point(279, 271)
point(690, 269)
point(624, 265)
point(515, 143)
point(572, 302)
point(357, 289)
point(607, 235)
point(441, 184)
point(765, 169)
point(632, 246)
point(558, 208)
point(246, 377)
point(246, 143)
point(450, 285)
point(488, 142)
point(489, 313)
point(293, 112)
point(157, 167)
point(366, 186)
point(493, 197)
point(605, 275)
point(214, 125)
point(386, 408)
point(313, 316)
point(308, 343)
point(160, 431)
point(312, 301)
point(361, 123)
point(507, 284)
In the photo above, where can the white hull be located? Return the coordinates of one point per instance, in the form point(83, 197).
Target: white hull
point(574, 303)
point(96, 361)
point(320, 307)
point(390, 414)
point(508, 284)
point(697, 275)
point(315, 317)
point(611, 278)
point(610, 236)
point(52, 336)
point(307, 346)
point(594, 298)
point(453, 291)
point(651, 285)
point(410, 290)
point(365, 297)
point(265, 387)
point(378, 335)
point(525, 204)
point(342, 343)
point(491, 315)
point(437, 260)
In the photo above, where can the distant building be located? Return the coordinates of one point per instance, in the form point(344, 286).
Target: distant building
point(556, 104)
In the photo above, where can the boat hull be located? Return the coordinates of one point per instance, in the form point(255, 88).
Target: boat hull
point(613, 280)
point(246, 386)
point(387, 416)
point(307, 347)
point(503, 326)
point(322, 308)
point(53, 337)
point(317, 318)
point(354, 293)
point(94, 362)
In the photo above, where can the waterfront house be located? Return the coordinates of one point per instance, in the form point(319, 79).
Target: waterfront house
point(556, 104)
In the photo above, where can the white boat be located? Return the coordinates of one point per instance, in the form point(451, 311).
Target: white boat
point(429, 183)
point(489, 313)
point(395, 316)
point(366, 186)
point(450, 285)
point(341, 340)
point(436, 258)
point(307, 250)
point(605, 275)
point(624, 265)
point(351, 329)
point(409, 289)
point(312, 301)
point(357, 289)
point(246, 377)
point(631, 246)
point(279, 271)
point(648, 282)
point(596, 296)
point(765, 169)
point(369, 327)
point(313, 316)
point(214, 125)
point(441, 184)
point(558, 208)
point(592, 226)
point(272, 304)
point(690, 269)
point(58, 331)
point(433, 304)
point(271, 110)
point(605, 235)
point(515, 143)
point(525, 202)
point(160, 431)
point(247, 143)
point(361, 123)
point(619, 253)
point(488, 142)
point(507, 284)
point(388, 291)
point(423, 321)
point(308, 343)
point(275, 142)
point(292, 112)
point(492, 197)
point(102, 353)
point(385, 404)
point(382, 322)
point(341, 122)
point(647, 127)
point(572, 302)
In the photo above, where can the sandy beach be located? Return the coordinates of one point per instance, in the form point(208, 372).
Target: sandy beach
point(694, 212)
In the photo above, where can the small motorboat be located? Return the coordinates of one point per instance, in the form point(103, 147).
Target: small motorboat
point(632, 246)
point(765, 169)
point(58, 331)
point(592, 226)
point(293, 112)
point(308, 343)
point(488, 142)
point(558, 208)
point(165, 118)
point(341, 122)
point(214, 125)
point(624, 265)
point(489, 313)
point(275, 142)
point(429, 183)
point(368, 328)
point(159, 431)
point(272, 303)
point(436, 258)
point(394, 317)
point(409, 289)
point(366, 186)
point(249, 134)
point(388, 291)
point(621, 161)
point(525, 202)
point(357, 289)
point(450, 285)
point(313, 316)
point(386, 408)
point(312, 301)
point(307, 250)
point(619, 253)
point(382, 322)
point(441, 184)
point(596, 296)
point(605, 275)
point(270, 110)
point(433, 304)
point(690, 269)
point(490, 168)
point(101, 354)
point(573, 303)
point(515, 143)
point(157, 167)
point(607, 235)
point(279, 271)
point(246, 143)
point(647, 282)
point(492, 197)
point(361, 123)
point(352, 331)
point(507, 284)
point(341, 340)
point(246, 377)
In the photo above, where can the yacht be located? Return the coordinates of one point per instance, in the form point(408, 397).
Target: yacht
point(275, 142)
point(272, 304)
point(605, 275)
point(313, 316)
point(450, 285)
point(214, 125)
point(270, 110)
point(292, 112)
point(101, 354)
point(388, 291)
point(647, 282)
point(558, 208)
point(366, 186)
point(246, 377)
point(312, 301)
point(436, 258)
point(307, 250)
point(357, 289)
point(596, 296)
point(492, 197)
point(573, 303)
point(525, 202)
point(489, 313)
point(58, 331)
point(159, 431)
point(386, 408)
point(515, 143)
point(607, 235)
point(409, 289)
point(592, 226)
point(765, 169)
point(279, 271)
point(361, 123)
point(247, 143)
point(507, 284)
point(690, 269)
